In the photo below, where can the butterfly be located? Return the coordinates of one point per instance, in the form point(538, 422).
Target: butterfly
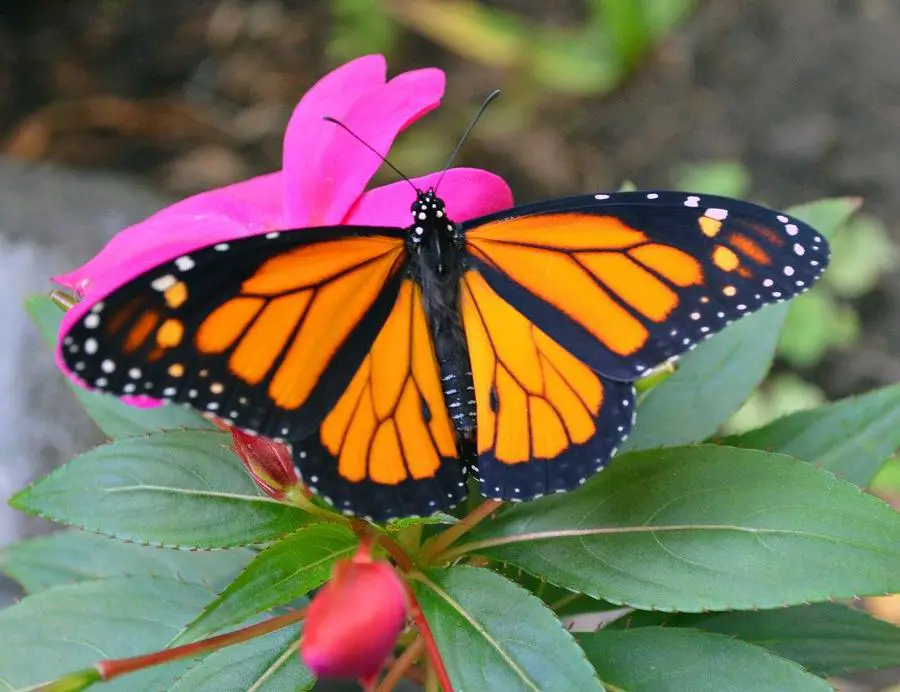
point(399, 362)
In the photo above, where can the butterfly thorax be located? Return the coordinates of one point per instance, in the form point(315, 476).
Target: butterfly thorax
point(435, 246)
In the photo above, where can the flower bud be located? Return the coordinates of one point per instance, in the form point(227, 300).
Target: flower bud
point(269, 463)
point(353, 622)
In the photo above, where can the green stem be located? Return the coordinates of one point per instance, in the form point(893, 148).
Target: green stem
point(114, 668)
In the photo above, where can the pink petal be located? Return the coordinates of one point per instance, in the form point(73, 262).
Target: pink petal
point(326, 169)
point(304, 139)
point(230, 212)
point(467, 192)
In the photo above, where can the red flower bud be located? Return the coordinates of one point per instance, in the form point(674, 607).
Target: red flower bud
point(268, 462)
point(353, 622)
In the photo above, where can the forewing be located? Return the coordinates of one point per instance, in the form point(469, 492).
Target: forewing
point(546, 421)
point(625, 281)
point(388, 449)
point(263, 332)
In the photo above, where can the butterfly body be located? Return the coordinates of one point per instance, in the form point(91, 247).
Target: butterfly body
point(397, 362)
point(436, 264)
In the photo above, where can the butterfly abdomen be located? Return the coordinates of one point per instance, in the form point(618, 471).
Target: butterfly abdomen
point(440, 292)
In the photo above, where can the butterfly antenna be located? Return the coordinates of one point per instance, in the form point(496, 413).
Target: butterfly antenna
point(462, 140)
point(371, 148)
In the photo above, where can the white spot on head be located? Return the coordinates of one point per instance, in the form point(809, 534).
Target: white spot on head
point(163, 283)
point(221, 247)
point(108, 366)
point(692, 201)
point(788, 270)
point(791, 229)
point(782, 218)
point(90, 346)
point(717, 214)
point(653, 195)
point(92, 321)
point(184, 263)
point(272, 235)
point(625, 402)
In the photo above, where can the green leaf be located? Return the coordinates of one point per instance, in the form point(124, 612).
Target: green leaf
point(112, 416)
point(266, 664)
point(652, 659)
point(723, 177)
point(283, 572)
point(861, 254)
point(851, 438)
point(487, 628)
point(71, 627)
point(67, 557)
point(715, 378)
point(825, 638)
point(711, 383)
point(703, 528)
point(175, 488)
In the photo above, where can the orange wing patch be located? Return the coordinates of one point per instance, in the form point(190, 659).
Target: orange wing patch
point(391, 424)
point(601, 273)
point(534, 399)
point(325, 288)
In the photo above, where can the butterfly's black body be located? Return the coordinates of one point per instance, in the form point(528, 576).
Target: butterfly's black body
point(435, 245)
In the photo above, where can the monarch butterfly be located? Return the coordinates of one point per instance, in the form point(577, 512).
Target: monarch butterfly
point(396, 362)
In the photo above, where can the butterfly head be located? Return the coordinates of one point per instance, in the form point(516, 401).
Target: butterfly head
point(432, 232)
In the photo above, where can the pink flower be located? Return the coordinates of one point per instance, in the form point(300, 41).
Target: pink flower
point(322, 182)
point(353, 622)
point(269, 463)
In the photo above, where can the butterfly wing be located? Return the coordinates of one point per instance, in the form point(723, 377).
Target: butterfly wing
point(264, 332)
point(546, 421)
point(388, 449)
point(628, 280)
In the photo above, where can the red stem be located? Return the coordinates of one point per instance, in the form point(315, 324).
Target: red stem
point(113, 668)
point(434, 654)
point(437, 545)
